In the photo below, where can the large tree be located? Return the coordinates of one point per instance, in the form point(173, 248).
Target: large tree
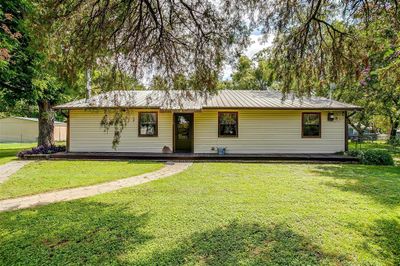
point(381, 74)
point(316, 42)
point(147, 38)
point(16, 67)
point(16, 57)
point(313, 44)
point(26, 75)
point(248, 74)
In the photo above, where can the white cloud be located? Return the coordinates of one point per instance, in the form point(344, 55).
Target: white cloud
point(257, 44)
point(227, 72)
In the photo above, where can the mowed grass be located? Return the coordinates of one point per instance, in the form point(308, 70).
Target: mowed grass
point(221, 214)
point(42, 176)
point(8, 151)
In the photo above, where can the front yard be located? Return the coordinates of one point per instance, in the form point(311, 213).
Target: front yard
point(8, 151)
point(43, 176)
point(220, 214)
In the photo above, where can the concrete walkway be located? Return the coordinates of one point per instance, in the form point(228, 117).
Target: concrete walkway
point(82, 192)
point(6, 170)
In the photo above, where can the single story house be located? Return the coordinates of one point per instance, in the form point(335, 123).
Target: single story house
point(25, 129)
point(242, 121)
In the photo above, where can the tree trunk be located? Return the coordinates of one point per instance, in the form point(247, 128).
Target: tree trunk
point(393, 130)
point(46, 124)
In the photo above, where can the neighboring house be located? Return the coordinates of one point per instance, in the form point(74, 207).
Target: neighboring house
point(24, 129)
point(370, 134)
point(243, 122)
point(354, 133)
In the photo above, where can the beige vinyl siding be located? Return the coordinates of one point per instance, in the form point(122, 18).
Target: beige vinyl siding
point(260, 131)
point(18, 130)
point(268, 131)
point(88, 136)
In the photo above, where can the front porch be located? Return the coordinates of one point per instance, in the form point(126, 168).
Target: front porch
point(310, 157)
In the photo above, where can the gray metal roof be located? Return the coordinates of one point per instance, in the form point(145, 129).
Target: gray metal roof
point(193, 100)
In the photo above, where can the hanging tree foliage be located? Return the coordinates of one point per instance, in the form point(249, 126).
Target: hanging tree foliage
point(315, 41)
point(146, 37)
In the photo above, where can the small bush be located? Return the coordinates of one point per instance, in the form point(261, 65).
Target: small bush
point(377, 157)
point(356, 153)
point(395, 142)
point(41, 150)
point(373, 157)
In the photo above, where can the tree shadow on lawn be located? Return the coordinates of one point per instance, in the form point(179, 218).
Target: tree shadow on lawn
point(382, 239)
point(387, 236)
point(382, 183)
point(76, 232)
point(244, 244)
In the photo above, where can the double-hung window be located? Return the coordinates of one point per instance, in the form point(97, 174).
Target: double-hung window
point(148, 124)
point(311, 125)
point(228, 124)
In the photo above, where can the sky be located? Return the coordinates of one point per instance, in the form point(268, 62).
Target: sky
point(257, 44)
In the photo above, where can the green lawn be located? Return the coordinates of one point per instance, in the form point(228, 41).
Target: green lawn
point(44, 176)
point(8, 151)
point(221, 214)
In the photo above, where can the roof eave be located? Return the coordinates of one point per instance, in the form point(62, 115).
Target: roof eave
point(103, 107)
point(291, 108)
point(357, 108)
